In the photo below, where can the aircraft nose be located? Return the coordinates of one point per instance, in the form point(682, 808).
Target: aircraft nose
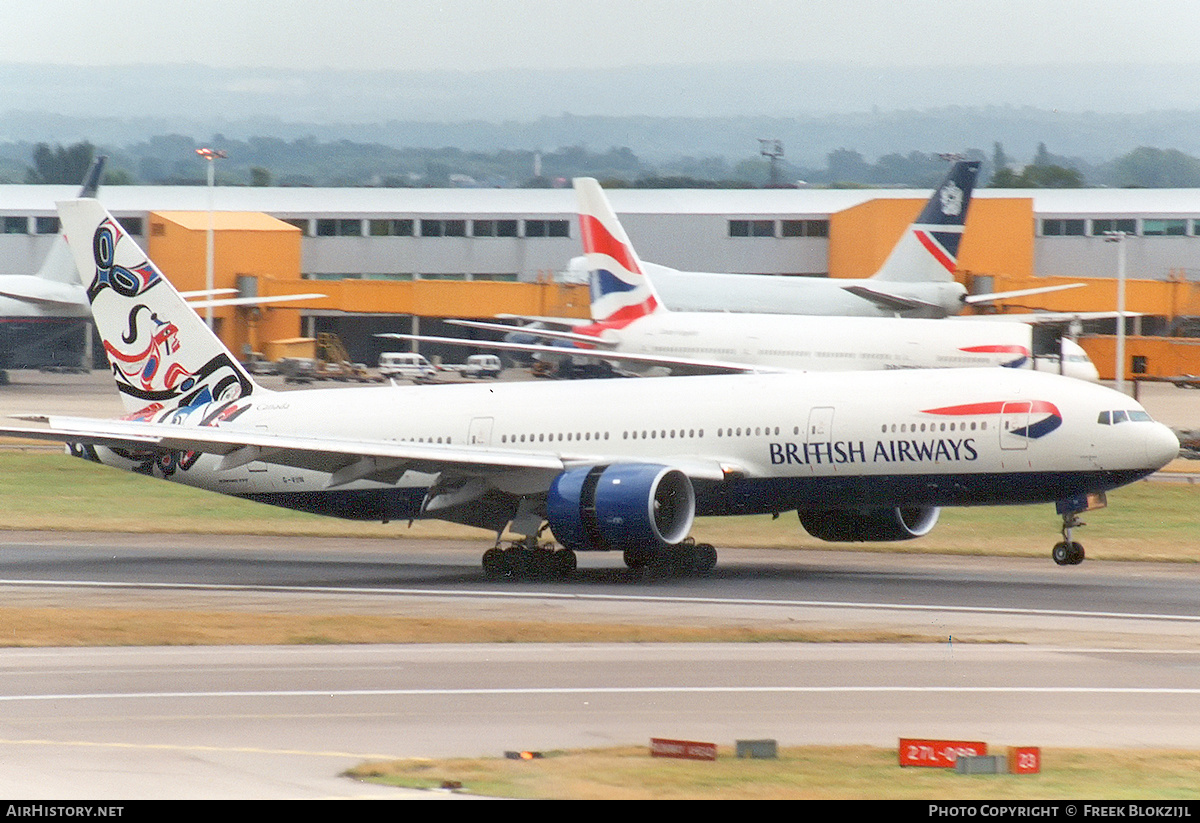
point(1162, 446)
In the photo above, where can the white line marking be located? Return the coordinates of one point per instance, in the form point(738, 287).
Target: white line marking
point(714, 601)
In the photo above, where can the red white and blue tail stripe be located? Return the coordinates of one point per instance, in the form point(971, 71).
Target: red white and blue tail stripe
point(929, 248)
point(620, 291)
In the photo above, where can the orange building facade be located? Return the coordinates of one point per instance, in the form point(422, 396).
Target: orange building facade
point(258, 255)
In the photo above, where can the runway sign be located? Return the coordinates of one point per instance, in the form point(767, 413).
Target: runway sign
point(939, 754)
point(685, 749)
point(1024, 760)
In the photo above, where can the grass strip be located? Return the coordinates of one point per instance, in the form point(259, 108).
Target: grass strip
point(803, 773)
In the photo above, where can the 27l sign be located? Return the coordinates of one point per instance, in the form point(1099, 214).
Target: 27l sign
point(940, 754)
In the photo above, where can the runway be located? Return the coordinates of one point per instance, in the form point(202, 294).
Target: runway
point(1017, 652)
point(281, 722)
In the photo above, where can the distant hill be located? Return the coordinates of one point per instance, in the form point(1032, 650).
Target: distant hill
point(1091, 112)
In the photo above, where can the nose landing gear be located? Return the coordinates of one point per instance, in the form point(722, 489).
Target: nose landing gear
point(1067, 552)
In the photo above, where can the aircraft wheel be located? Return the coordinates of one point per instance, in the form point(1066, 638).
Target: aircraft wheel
point(1067, 553)
point(634, 558)
point(565, 563)
point(495, 564)
point(706, 558)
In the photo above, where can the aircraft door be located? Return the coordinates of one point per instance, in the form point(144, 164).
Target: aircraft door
point(750, 349)
point(480, 432)
point(1014, 417)
point(820, 424)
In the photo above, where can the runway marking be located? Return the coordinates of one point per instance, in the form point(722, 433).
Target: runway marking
point(714, 601)
point(551, 690)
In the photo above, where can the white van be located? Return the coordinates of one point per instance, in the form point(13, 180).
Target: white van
point(406, 364)
point(483, 365)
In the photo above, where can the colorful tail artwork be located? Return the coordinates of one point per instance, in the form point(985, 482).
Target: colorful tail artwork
point(620, 290)
point(162, 354)
point(928, 251)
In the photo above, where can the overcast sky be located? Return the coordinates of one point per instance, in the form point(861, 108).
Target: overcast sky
point(486, 34)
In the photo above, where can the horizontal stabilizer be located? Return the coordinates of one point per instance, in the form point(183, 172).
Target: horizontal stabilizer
point(975, 299)
point(893, 302)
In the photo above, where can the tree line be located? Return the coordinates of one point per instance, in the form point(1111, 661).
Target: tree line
point(267, 161)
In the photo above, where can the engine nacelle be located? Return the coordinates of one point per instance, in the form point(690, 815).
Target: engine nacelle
point(624, 507)
point(869, 525)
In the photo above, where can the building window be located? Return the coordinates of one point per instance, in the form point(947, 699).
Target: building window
point(751, 228)
point(1102, 227)
point(339, 227)
point(441, 276)
point(1063, 228)
point(804, 228)
point(443, 228)
point(391, 228)
point(299, 223)
point(494, 228)
point(547, 228)
point(16, 225)
point(506, 277)
point(1164, 228)
point(46, 225)
point(132, 225)
point(389, 275)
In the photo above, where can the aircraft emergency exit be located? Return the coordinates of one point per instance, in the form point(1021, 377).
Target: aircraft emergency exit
point(623, 465)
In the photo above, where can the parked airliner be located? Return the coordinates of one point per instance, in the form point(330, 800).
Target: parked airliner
point(631, 325)
point(621, 465)
point(916, 280)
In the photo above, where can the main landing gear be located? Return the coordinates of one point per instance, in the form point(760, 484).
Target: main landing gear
point(527, 560)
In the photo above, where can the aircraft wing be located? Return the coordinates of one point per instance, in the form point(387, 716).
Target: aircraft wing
point(679, 364)
point(1047, 318)
point(587, 339)
point(37, 290)
point(346, 460)
point(565, 322)
point(893, 302)
point(252, 301)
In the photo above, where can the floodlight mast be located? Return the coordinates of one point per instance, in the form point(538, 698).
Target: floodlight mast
point(211, 155)
point(772, 149)
point(1118, 237)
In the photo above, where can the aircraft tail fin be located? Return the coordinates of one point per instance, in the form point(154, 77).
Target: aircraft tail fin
point(91, 180)
point(162, 354)
point(59, 266)
point(928, 250)
point(620, 290)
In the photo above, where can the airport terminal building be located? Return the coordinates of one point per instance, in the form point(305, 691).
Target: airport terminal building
point(397, 259)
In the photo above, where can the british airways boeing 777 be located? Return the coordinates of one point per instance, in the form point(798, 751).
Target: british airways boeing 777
point(620, 465)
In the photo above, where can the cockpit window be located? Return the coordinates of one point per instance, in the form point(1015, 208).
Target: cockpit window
point(1112, 418)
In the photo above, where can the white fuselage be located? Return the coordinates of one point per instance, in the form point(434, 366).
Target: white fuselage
point(776, 294)
point(808, 343)
point(758, 443)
